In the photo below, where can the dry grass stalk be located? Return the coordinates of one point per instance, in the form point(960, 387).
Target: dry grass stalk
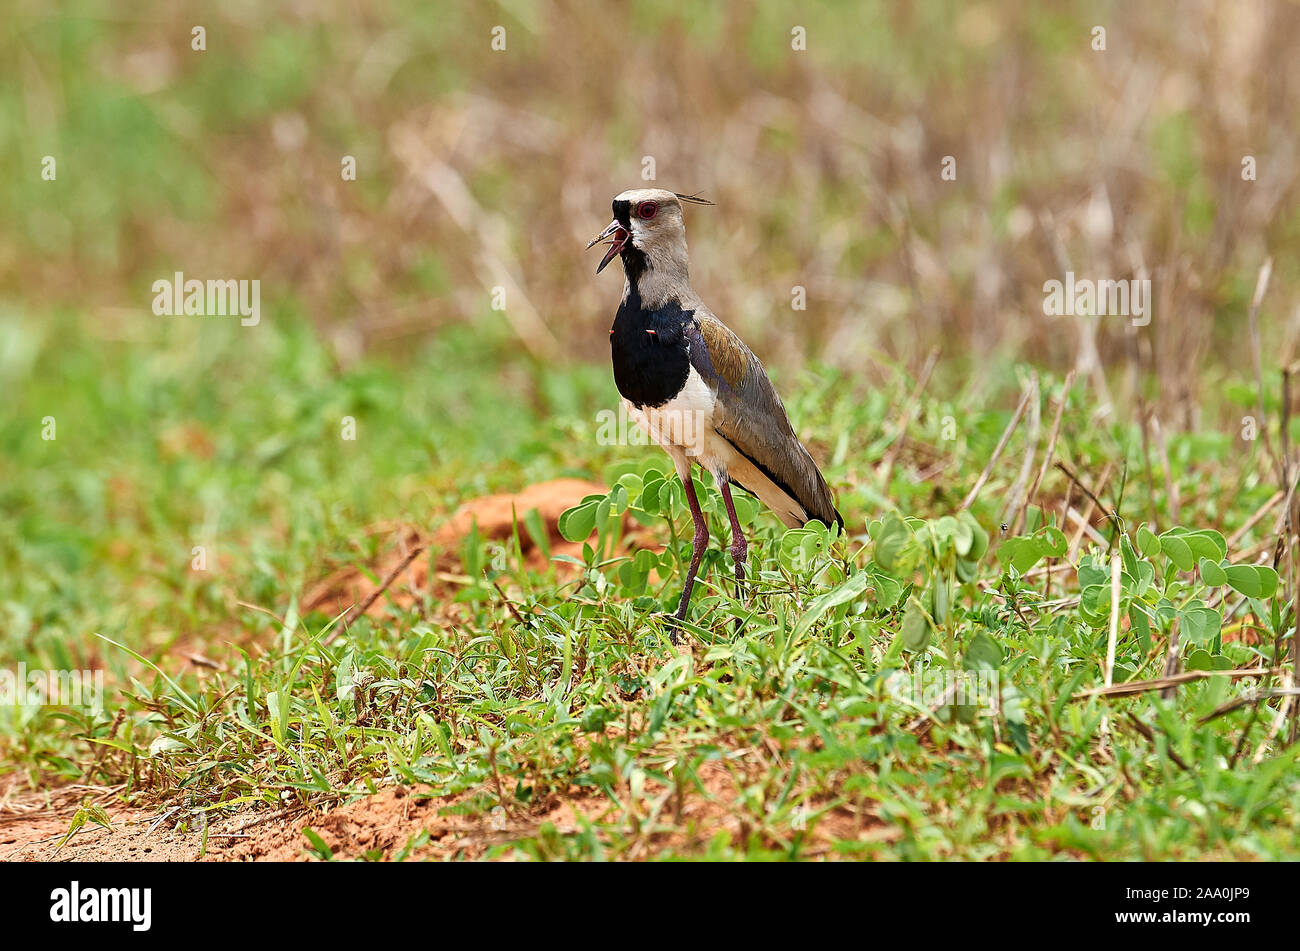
point(997, 452)
point(1134, 687)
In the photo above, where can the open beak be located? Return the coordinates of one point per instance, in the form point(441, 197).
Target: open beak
point(616, 235)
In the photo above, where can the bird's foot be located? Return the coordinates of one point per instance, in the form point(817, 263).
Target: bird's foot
point(674, 622)
point(739, 552)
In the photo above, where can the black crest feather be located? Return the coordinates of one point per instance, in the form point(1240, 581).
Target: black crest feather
point(693, 199)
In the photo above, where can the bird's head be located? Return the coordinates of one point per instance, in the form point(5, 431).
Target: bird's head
point(647, 228)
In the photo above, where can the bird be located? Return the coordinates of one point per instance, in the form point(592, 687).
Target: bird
point(691, 383)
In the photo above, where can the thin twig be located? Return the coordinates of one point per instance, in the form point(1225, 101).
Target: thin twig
point(1051, 451)
point(1278, 720)
point(1085, 527)
point(1014, 507)
point(997, 452)
point(1151, 738)
point(1171, 658)
point(1088, 492)
point(371, 598)
point(1261, 288)
point(1133, 687)
point(1112, 635)
point(1254, 520)
point(1254, 697)
point(905, 419)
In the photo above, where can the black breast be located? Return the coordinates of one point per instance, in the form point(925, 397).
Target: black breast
point(650, 351)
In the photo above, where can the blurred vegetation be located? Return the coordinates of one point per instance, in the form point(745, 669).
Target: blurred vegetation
point(479, 168)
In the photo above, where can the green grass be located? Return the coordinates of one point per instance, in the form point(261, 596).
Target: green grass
point(581, 696)
point(184, 439)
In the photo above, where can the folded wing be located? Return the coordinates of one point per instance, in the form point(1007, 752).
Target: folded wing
point(751, 417)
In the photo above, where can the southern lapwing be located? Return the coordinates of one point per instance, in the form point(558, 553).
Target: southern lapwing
point(695, 387)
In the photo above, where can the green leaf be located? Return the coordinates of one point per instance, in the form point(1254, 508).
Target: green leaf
point(1033, 518)
point(1090, 574)
point(747, 508)
point(1177, 550)
point(1020, 553)
point(537, 532)
point(1054, 543)
point(1201, 659)
point(345, 679)
point(979, 538)
point(824, 602)
point(1206, 543)
point(916, 627)
point(318, 845)
point(1146, 573)
point(1094, 604)
point(893, 538)
point(1140, 625)
point(963, 537)
point(1129, 555)
point(1147, 543)
point(1245, 579)
point(1024, 552)
point(940, 601)
point(651, 502)
point(1199, 624)
point(888, 589)
point(983, 652)
point(577, 524)
point(1212, 574)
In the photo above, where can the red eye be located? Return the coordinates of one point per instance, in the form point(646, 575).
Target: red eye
point(646, 210)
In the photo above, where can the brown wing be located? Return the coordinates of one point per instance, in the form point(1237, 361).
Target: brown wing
point(752, 418)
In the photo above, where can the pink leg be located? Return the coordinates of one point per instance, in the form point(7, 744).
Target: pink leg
point(739, 547)
point(698, 544)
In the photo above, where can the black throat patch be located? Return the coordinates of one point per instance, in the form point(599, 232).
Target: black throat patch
point(634, 260)
point(650, 349)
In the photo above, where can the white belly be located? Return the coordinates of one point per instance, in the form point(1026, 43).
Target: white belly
point(684, 425)
point(684, 428)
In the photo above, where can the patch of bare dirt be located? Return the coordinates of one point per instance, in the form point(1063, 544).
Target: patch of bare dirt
point(385, 825)
point(33, 823)
point(376, 826)
point(407, 577)
point(495, 517)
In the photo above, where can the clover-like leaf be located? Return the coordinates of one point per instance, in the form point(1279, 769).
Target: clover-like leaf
point(916, 627)
point(577, 524)
point(1177, 550)
point(1254, 581)
point(894, 535)
point(983, 652)
point(1020, 553)
point(1199, 624)
point(1212, 573)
